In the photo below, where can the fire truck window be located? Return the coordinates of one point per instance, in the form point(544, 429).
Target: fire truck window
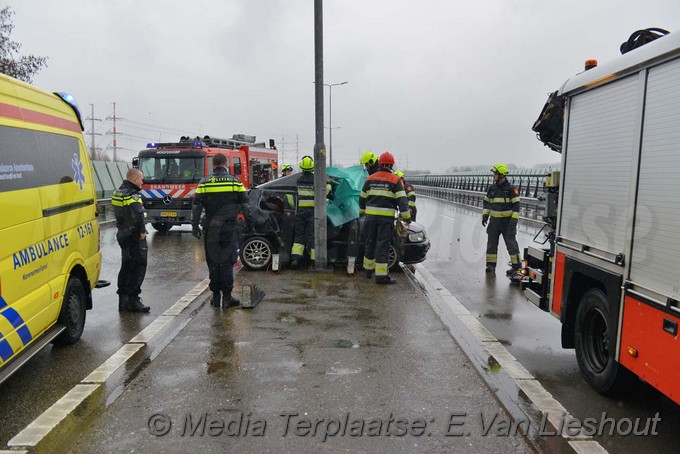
point(237, 166)
point(171, 169)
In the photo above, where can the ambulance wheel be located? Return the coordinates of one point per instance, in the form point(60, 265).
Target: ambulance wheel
point(393, 259)
point(72, 315)
point(256, 253)
point(595, 344)
point(161, 226)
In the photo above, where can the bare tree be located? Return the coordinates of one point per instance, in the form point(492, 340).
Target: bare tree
point(19, 67)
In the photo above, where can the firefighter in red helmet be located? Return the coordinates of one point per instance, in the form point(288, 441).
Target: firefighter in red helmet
point(382, 195)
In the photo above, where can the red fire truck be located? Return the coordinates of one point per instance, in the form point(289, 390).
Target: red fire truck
point(609, 267)
point(172, 172)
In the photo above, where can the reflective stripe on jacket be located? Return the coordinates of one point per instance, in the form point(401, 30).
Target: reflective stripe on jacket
point(222, 195)
point(128, 209)
point(502, 201)
point(382, 194)
point(305, 190)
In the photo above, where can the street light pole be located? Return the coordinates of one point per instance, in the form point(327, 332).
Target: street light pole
point(330, 117)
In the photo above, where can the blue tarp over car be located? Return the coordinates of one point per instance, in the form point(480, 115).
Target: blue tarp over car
point(347, 185)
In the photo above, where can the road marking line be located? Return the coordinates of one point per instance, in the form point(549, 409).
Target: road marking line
point(49, 419)
point(477, 328)
point(103, 372)
point(187, 299)
point(507, 361)
point(587, 447)
point(543, 400)
point(154, 328)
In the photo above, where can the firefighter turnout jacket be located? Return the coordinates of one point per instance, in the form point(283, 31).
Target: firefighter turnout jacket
point(382, 194)
point(129, 211)
point(411, 196)
point(227, 197)
point(501, 201)
point(303, 240)
point(305, 191)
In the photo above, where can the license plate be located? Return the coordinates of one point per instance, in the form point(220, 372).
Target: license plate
point(168, 214)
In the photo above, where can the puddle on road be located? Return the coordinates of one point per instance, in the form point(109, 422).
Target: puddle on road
point(286, 317)
point(344, 343)
point(361, 314)
point(497, 315)
point(296, 299)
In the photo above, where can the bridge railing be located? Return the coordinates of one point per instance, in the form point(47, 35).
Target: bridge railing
point(469, 188)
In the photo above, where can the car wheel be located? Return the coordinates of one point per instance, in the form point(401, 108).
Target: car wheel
point(72, 314)
point(595, 344)
point(393, 258)
point(161, 226)
point(256, 253)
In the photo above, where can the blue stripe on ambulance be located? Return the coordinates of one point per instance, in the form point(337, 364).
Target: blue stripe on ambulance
point(6, 351)
point(17, 322)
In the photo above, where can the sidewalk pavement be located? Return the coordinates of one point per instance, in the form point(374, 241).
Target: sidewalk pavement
point(325, 362)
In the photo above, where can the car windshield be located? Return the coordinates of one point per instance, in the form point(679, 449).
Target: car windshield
point(172, 169)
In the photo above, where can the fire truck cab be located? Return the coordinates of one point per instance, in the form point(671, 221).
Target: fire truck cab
point(172, 172)
point(609, 269)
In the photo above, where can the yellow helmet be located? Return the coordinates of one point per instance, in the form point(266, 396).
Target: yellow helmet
point(306, 164)
point(368, 158)
point(500, 168)
point(399, 173)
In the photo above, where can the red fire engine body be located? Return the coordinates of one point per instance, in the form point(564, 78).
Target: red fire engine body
point(172, 172)
point(610, 268)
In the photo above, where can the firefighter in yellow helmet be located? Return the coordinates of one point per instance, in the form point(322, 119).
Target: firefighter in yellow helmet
point(370, 162)
point(501, 205)
point(410, 195)
point(303, 240)
point(286, 170)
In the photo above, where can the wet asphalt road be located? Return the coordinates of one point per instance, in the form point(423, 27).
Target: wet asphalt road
point(325, 345)
point(320, 346)
point(54, 371)
point(457, 260)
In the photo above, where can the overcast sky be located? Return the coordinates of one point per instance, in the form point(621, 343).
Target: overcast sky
point(437, 83)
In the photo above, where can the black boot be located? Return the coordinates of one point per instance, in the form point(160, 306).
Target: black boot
point(512, 271)
point(369, 274)
point(385, 280)
point(228, 301)
point(490, 268)
point(123, 302)
point(216, 299)
point(136, 305)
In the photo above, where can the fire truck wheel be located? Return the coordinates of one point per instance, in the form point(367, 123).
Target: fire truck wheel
point(72, 314)
point(256, 253)
point(595, 344)
point(161, 226)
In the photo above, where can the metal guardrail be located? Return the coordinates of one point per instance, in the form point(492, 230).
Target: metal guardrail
point(470, 188)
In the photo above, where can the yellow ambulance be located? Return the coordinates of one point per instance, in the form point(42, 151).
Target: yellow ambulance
point(49, 236)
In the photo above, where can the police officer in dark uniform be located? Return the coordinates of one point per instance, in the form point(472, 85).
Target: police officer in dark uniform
point(501, 203)
point(131, 237)
point(223, 196)
point(382, 194)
